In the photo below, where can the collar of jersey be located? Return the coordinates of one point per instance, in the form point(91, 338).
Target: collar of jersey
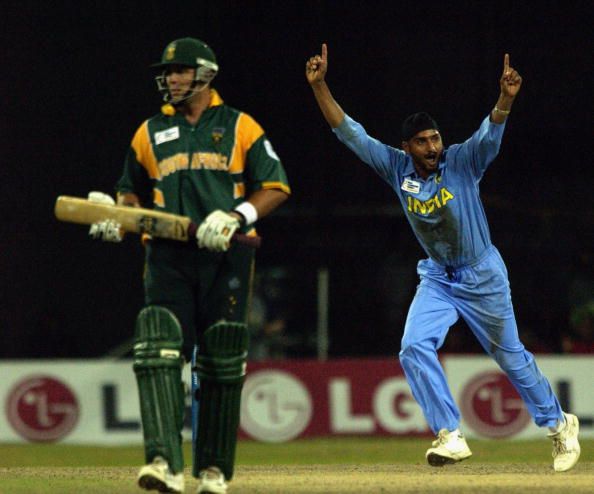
point(215, 100)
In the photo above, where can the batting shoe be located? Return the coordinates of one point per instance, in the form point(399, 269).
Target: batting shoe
point(212, 481)
point(566, 448)
point(157, 476)
point(449, 447)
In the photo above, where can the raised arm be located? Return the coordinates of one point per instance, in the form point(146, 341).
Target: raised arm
point(509, 84)
point(315, 72)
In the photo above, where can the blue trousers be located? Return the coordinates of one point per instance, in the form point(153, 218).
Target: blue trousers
point(480, 294)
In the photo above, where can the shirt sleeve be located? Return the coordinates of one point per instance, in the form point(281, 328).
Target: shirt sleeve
point(135, 176)
point(264, 168)
point(479, 151)
point(382, 158)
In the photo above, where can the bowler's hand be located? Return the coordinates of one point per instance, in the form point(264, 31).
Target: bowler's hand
point(215, 232)
point(317, 66)
point(510, 81)
point(107, 230)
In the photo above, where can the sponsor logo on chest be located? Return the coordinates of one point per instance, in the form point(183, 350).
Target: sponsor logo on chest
point(411, 186)
point(167, 135)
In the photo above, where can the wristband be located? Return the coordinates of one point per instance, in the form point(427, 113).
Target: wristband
point(503, 112)
point(248, 211)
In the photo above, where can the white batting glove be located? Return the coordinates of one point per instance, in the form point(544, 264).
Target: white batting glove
point(107, 230)
point(215, 232)
point(100, 197)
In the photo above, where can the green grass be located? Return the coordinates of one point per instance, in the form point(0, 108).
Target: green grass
point(301, 452)
point(316, 466)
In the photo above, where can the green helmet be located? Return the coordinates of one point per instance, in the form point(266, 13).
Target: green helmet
point(190, 52)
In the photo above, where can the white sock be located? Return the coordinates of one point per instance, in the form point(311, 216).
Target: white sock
point(559, 426)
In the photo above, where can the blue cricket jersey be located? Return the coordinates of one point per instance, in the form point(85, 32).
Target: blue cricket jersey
point(445, 210)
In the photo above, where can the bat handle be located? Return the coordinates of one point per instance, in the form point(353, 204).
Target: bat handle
point(250, 240)
point(241, 238)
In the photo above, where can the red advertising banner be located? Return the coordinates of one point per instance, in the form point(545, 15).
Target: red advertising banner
point(287, 399)
point(96, 401)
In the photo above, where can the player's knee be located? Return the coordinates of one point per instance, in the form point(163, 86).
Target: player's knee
point(222, 353)
point(412, 352)
point(157, 335)
point(409, 353)
point(413, 343)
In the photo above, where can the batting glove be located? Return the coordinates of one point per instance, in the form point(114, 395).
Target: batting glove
point(107, 230)
point(215, 232)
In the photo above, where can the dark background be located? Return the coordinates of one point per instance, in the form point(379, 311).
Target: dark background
point(76, 85)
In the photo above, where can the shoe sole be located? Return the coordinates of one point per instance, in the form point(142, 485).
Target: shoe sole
point(209, 490)
point(436, 460)
point(149, 483)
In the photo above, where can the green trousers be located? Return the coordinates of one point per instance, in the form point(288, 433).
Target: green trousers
point(200, 287)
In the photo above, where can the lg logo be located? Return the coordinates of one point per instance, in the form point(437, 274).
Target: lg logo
point(492, 406)
point(41, 408)
point(275, 406)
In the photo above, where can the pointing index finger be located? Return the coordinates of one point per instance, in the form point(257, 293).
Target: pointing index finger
point(506, 64)
point(324, 52)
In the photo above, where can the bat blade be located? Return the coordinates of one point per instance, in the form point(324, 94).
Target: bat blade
point(135, 220)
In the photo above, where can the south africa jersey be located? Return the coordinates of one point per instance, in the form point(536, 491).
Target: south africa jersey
point(192, 170)
point(444, 210)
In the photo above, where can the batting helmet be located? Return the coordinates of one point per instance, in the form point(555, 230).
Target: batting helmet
point(189, 52)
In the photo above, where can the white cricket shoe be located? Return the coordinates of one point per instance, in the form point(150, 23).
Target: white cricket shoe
point(212, 481)
point(566, 448)
point(449, 447)
point(157, 476)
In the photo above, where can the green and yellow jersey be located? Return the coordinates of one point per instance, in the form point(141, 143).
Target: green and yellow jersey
point(192, 170)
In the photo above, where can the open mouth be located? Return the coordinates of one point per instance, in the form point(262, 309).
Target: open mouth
point(431, 158)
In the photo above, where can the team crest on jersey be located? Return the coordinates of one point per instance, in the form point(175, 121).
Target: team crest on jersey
point(217, 135)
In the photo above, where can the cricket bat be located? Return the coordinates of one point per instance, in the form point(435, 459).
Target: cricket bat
point(136, 220)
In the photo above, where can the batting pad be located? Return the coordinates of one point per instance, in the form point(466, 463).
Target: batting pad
point(220, 366)
point(158, 365)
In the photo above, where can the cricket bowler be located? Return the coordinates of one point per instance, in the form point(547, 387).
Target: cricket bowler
point(464, 274)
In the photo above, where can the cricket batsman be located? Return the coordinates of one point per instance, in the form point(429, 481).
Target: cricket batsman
point(201, 158)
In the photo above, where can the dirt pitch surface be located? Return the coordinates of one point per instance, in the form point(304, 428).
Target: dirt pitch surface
point(326, 479)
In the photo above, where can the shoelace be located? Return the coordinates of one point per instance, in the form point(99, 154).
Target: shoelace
point(442, 438)
point(559, 447)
